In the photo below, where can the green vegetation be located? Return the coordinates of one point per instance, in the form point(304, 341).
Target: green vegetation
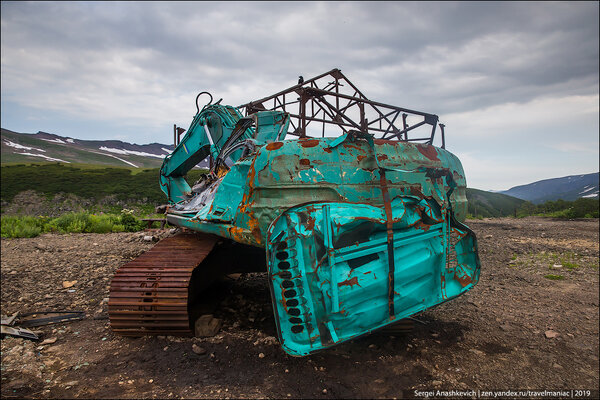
point(90, 183)
point(482, 204)
point(564, 262)
point(580, 208)
point(27, 226)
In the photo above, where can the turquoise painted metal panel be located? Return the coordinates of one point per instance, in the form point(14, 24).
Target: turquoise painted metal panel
point(341, 270)
point(359, 232)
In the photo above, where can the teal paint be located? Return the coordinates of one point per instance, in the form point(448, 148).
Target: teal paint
point(359, 233)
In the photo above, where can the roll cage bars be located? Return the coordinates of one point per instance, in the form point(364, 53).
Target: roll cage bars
point(331, 99)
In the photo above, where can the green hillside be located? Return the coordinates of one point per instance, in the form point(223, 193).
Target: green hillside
point(86, 181)
point(488, 204)
point(68, 153)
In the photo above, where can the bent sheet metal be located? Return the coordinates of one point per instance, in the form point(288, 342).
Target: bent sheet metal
point(360, 229)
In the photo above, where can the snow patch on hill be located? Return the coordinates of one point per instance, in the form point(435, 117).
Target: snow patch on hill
point(21, 147)
point(130, 152)
point(54, 141)
point(43, 156)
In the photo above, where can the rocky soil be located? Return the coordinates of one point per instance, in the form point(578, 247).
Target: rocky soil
point(530, 323)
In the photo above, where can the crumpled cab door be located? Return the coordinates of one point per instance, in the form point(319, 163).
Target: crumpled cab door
point(341, 270)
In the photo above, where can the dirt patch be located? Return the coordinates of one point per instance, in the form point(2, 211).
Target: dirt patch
point(494, 337)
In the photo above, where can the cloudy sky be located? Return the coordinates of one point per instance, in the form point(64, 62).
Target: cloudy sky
point(516, 83)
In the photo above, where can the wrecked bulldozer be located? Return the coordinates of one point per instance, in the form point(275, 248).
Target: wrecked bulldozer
point(346, 203)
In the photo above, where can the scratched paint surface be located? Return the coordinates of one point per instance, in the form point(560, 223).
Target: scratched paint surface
point(329, 269)
point(281, 175)
point(358, 233)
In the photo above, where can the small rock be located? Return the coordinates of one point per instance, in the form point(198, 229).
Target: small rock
point(435, 335)
point(550, 334)
point(207, 326)
point(505, 327)
point(68, 284)
point(478, 352)
point(372, 346)
point(557, 266)
point(49, 341)
point(324, 391)
point(261, 355)
point(150, 380)
point(198, 350)
point(71, 383)
point(557, 366)
point(488, 236)
point(13, 272)
point(148, 238)
point(18, 384)
point(436, 383)
point(287, 371)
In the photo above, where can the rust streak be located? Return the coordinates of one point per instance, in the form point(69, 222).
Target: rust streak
point(428, 151)
point(308, 143)
point(274, 146)
point(349, 282)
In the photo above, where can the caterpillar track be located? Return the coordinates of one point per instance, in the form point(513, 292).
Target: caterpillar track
point(149, 295)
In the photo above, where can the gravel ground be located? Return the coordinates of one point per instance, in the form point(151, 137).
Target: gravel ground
point(530, 323)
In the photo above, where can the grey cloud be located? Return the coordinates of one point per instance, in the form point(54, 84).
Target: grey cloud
point(442, 57)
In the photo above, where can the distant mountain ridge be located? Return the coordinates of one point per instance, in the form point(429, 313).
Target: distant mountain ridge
point(488, 204)
point(48, 147)
point(566, 188)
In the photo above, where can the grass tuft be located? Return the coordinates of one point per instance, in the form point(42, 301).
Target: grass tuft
point(554, 277)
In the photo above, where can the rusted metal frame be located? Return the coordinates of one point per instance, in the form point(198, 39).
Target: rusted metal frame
point(340, 124)
point(302, 112)
point(390, 241)
point(391, 125)
point(362, 95)
point(373, 104)
point(332, 108)
point(328, 240)
point(410, 128)
point(382, 117)
point(290, 89)
point(432, 133)
point(363, 121)
point(370, 102)
point(343, 124)
point(442, 126)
